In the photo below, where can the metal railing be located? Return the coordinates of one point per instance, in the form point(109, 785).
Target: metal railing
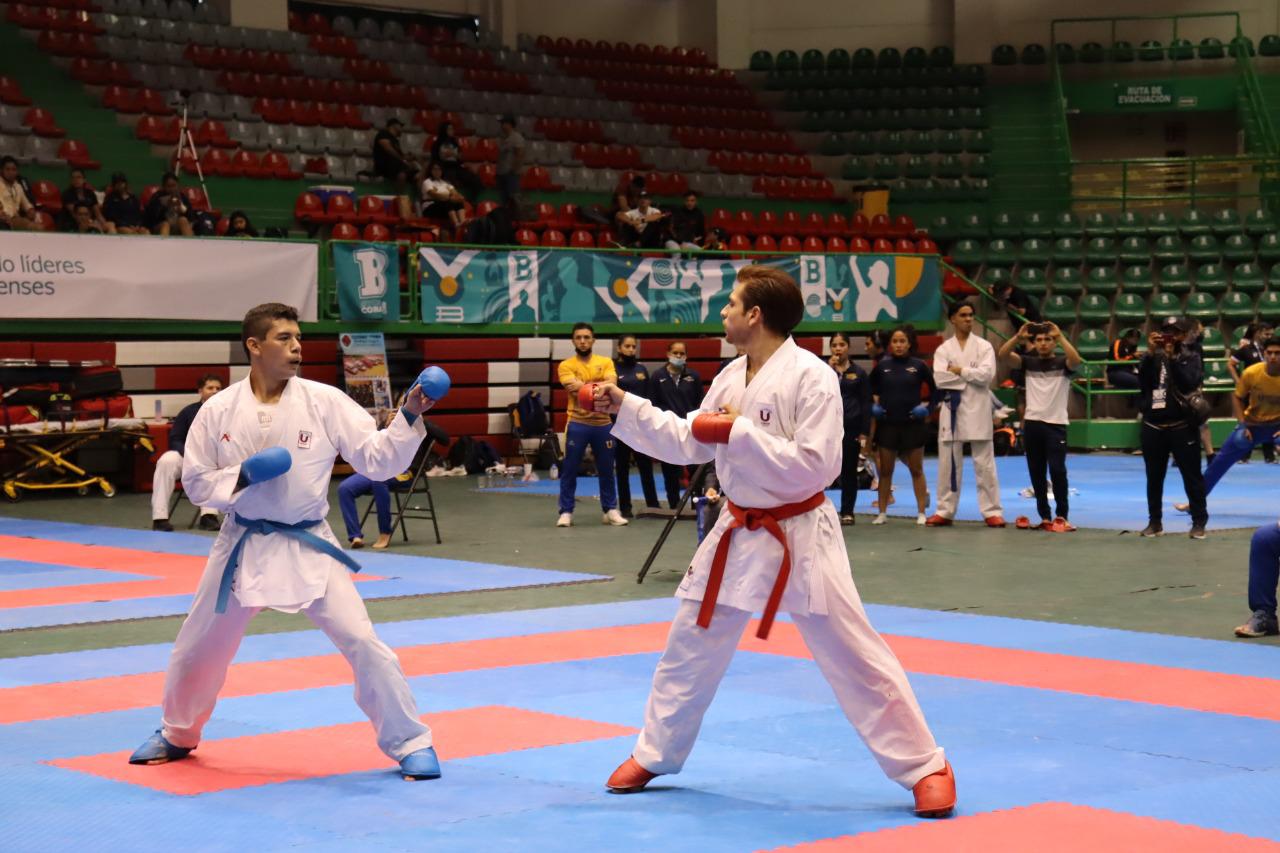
point(1160, 181)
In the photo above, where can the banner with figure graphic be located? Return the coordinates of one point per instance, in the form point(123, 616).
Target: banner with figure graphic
point(368, 280)
point(547, 287)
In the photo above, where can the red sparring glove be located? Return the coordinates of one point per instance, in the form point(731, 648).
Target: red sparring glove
point(712, 429)
point(587, 397)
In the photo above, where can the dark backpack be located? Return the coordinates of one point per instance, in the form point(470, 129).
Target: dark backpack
point(460, 450)
point(481, 458)
point(531, 415)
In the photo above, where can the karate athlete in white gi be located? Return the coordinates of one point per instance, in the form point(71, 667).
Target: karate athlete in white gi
point(262, 451)
point(963, 368)
point(773, 423)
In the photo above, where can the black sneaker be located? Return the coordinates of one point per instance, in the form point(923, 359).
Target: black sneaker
point(162, 524)
point(1197, 531)
point(1151, 531)
point(627, 511)
point(209, 521)
point(1260, 624)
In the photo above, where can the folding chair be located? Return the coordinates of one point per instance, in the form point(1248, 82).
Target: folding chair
point(180, 495)
point(417, 484)
point(530, 446)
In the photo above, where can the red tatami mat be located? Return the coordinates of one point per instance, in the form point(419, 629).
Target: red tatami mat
point(242, 762)
point(1043, 828)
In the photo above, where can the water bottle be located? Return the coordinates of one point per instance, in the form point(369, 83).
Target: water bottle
point(555, 471)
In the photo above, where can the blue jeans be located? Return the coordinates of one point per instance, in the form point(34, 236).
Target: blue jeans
point(1264, 568)
point(508, 187)
point(577, 439)
point(1235, 448)
point(352, 488)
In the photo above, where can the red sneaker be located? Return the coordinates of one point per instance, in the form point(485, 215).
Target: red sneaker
point(936, 520)
point(1022, 523)
point(936, 793)
point(630, 777)
point(1046, 525)
point(995, 521)
point(1061, 525)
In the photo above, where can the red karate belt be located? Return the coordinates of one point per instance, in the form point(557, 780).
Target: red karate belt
point(754, 519)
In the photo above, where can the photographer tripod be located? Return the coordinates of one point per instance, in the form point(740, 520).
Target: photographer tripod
point(186, 142)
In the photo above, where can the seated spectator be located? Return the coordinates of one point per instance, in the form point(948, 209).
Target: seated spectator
point(82, 219)
point(169, 465)
point(1124, 348)
point(121, 209)
point(81, 193)
point(357, 485)
point(715, 241)
point(240, 226)
point(688, 226)
point(626, 197)
point(642, 225)
point(17, 213)
point(440, 199)
point(391, 163)
point(168, 210)
point(448, 153)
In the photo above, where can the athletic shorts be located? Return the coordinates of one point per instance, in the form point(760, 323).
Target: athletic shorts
point(901, 436)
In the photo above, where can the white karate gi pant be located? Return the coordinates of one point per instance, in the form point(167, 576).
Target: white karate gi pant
point(951, 461)
point(168, 471)
point(208, 641)
point(867, 678)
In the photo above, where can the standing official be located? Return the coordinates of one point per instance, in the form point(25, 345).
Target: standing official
point(855, 398)
point(1167, 374)
point(675, 388)
point(633, 377)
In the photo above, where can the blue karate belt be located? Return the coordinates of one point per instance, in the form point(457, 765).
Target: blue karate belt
point(264, 526)
point(953, 403)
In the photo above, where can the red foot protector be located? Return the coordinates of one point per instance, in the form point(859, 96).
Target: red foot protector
point(243, 762)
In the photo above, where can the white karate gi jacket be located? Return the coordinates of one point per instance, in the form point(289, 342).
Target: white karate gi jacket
point(315, 423)
point(978, 368)
point(783, 448)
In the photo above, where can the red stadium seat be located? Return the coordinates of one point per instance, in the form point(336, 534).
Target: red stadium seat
point(526, 237)
point(582, 239)
point(860, 246)
point(859, 225)
point(765, 243)
point(880, 226)
point(813, 243)
point(373, 209)
point(76, 154)
point(45, 195)
point(837, 225)
point(882, 246)
point(376, 232)
point(340, 208)
point(925, 246)
point(553, 238)
point(837, 244)
point(345, 231)
point(903, 226)
point(904, 246)
point(789, 244)
point(308, 208)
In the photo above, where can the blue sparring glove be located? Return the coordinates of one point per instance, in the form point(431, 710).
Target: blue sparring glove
point(264, 465)
point(877, 411)
point(920, 412)
point(434, 383)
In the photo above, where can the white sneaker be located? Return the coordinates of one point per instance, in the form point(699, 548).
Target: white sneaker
point(565, 520)
point(920, 520)
point(436, 471)
point(615, 518)
point(879, 519)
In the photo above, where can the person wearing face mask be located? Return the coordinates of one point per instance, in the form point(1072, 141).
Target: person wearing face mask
point(675, 388)
point(855, 393)
point(633, 377)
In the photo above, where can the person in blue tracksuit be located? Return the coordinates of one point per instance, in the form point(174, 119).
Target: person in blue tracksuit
point(633, 377)
point(855, 393)
point(675, 388)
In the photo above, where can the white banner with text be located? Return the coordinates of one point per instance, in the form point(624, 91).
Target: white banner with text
point(73, 276)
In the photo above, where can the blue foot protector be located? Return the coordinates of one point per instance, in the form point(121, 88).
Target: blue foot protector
point(157, 750)
point(421, 764)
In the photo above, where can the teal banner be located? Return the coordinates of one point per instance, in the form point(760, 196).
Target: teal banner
point(542, 287)
point(368, 280)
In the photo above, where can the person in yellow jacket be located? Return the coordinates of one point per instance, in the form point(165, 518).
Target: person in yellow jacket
point(587, 429)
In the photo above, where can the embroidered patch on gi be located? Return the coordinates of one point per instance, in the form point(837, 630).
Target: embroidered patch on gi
point(766, 414)
point(304, 439)
point(226, 436)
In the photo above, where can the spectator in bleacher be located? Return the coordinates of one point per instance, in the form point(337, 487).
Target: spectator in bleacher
point(168, 211)
point(392, 165)
point(1246, 355)
point(83, 220)
point(121, 208)
point(440, 199)
point(511, 147)
point(899, 382)
point(448, 153)
point(1124, 348)
point(675, 388)
point(715, 241)
point(587, 428)
point(17, 213)
point(1167, 373)
point(81, 193)
point(1017, 304)
point(633, 377)
point(688, 226)
point(642, 226)
point(626, 196)
point(169, 465)
point(855, 394)
point(238, 225)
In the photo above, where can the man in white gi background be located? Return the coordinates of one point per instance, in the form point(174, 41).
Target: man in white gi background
point(773, 423)
point(262, 451)
point(963, 367)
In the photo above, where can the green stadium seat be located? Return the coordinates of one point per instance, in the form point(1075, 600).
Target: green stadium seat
point(1065, 53)
point(1033, 280)
point(861, 143)
point(833, 145)
point(1160, 223)
point(1034, 54)
point(1175, 278)
point(1248, 277)
point(786, 60)
point(1211, 48)
point(977, 142)
point(1089, 373)
point(1134, 250)
point(950, 166)
point(1270, 45)
point(941, 57)
point(1059, 309)
point(1005, 224)
point(1238, 307)
point(863, 58)
point(1269, 248)
point(1151, 51)
point(1238, 334)
point(1092, 52)
point(837, 60)
point(1181, 49)
point(1216, 373)
point(1093, 344)
point(1036, 224)
point(888, 57)
point(1241, 45)
point(761, 60)
point(904, 191)
point(915, 57)
point(1122, 51)
point(974, 226)
point(813, 60)
point(1100, 250)
point(979, 166)
point(1193, 222)
point(1001, 252)
point(972, 118)
point(1067, 224)
point(1095, 309)
point(1130, 308)
point(813, 122)
point(855, 169)
point(919, 168)
point(1101, 280)
point(941, 228)
point(1131, 223)
point(1099, 224)
point(1164, 305)
point(1067, 281)
point(921, 142)
point(993, 277)
point(1202, 306)
point(979, 189)
point(951, 142)
point(1269, 306)
point(1210, 278)
point(1034, 252)
point(1237, 248)
point(968, 252)
point(1137, 278)
point(1260, 221)
point(1004, 54)
point(886, 168)
point(1204, 249)
point(1067, 250)
point(1169, 250)
point(1225, 222)
point(1213, 343)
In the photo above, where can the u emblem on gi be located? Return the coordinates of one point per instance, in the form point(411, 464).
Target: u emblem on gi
point(304, 439)
point(766, 415)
